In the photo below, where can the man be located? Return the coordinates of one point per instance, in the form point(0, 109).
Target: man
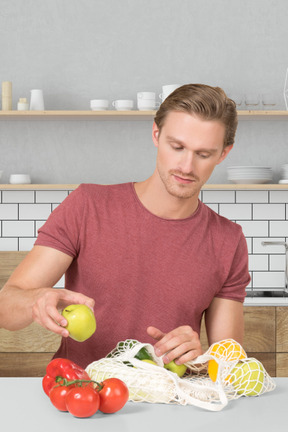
point(149, 258)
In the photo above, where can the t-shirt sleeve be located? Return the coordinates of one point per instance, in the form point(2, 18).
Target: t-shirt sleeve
point(62, 229)
point(234, 287)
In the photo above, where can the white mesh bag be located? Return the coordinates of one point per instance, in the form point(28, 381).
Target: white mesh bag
point(150, 383)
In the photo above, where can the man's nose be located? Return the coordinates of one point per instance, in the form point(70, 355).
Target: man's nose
point(187, 163)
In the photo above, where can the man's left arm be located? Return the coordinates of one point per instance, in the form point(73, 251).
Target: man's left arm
point(224, 319)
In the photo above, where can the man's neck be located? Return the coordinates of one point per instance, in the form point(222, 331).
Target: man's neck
point(154, 196)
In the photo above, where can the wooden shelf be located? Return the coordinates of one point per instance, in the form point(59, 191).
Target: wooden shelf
point(77, 115)
point(34, 186)
point(122, 115)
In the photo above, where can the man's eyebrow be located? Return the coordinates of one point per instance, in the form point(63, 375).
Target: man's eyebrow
point(178, 141)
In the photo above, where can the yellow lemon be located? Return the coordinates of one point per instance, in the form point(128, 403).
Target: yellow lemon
point(227, 350)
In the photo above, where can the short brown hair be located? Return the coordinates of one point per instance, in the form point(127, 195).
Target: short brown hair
point(209, 103)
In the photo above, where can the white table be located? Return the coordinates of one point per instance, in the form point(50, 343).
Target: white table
point(25, 406)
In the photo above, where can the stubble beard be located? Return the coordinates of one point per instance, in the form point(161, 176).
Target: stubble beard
point(180, 190)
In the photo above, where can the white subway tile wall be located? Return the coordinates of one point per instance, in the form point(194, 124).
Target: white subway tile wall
point(22, 213)
point(263, 215)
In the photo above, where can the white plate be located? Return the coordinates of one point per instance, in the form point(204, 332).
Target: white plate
point(283, 181)
point(249, 168)
point(250, 181)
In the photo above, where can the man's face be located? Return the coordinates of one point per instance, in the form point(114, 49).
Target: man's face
point(189, 148)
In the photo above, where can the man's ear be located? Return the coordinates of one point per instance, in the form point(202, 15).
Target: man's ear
point(155, 134)
point(225, 153)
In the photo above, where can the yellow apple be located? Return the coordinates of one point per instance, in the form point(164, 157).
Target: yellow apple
point(178, 369)
point(81, 321)
point(248, 377)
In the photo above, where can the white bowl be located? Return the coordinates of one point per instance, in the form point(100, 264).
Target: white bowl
point(99, 104)
point(20, 179)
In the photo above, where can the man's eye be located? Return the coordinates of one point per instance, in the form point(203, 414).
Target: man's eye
point(177, 148)
point(204, 156)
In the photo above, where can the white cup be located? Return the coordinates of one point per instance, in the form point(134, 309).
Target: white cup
point(19, 179)
point(123, 104)
point(147, 104)
point(99, 104)
point(146, 95)
point(37, 100)
point(167, 90)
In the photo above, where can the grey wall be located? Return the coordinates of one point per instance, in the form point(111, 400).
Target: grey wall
point(77, 50)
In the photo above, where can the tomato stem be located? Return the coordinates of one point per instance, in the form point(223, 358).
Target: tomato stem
point(65, 382)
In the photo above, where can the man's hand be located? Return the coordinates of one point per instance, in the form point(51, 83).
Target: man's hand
point(182, 344)
point(45, 309)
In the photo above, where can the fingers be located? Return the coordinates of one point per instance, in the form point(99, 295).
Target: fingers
point(181, 344)
point(155, 333)
point(45, 308)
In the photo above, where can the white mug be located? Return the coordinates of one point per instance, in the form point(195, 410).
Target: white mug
point(147, 104)
point(167, 90)
point(37, 100)
point(123, 104)
point(99, 104)
point(146, 95)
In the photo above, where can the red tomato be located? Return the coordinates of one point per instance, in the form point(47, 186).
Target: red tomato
point(58, 397)
point(113, 395)
point(82, 401)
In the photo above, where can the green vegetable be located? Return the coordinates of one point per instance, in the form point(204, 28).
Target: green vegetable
point(143, 354)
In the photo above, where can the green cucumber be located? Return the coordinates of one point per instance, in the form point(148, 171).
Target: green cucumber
point(143, 354)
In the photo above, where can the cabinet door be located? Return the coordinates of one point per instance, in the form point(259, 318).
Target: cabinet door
point(260, 329)
point(23, 352)
point(282, 341)
point(282, 329)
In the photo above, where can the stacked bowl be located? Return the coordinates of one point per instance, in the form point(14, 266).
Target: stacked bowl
point(284, 174)
point(250, 174)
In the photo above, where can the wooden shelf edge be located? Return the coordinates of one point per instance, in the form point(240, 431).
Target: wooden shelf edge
point(265, 186)
point(113, 114)
point(63, 186)
point(34, 186)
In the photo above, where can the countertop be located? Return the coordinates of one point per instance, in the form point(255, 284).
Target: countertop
point(266, 301)
point(24, 405)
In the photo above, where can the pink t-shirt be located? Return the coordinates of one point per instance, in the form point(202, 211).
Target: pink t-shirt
point(142, 269)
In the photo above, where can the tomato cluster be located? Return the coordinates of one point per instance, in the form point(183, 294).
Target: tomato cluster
point(79, 397)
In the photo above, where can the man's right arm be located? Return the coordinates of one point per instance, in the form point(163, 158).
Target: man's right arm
point(29, 295)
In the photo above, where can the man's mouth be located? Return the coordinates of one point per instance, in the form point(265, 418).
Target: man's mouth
point(183, 180)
